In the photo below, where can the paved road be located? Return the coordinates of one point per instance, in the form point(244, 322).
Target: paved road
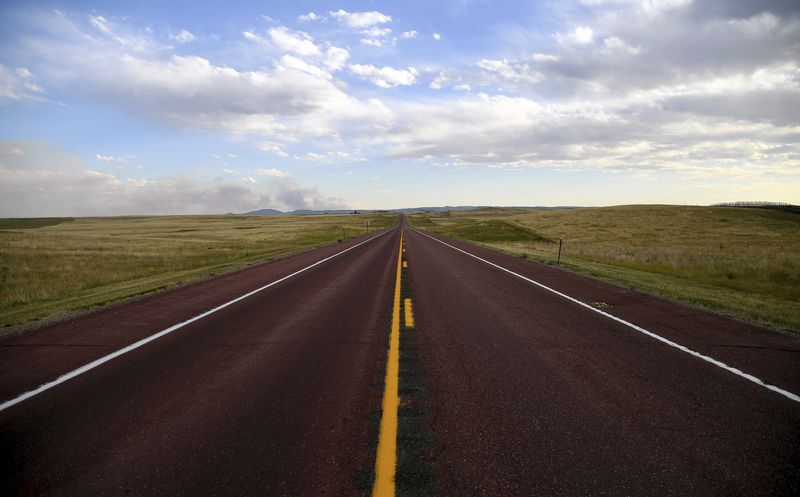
point(274, 395)
point(528, 393)
point(533, 394)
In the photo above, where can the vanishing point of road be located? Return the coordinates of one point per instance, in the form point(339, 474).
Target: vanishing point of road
point(282, 379)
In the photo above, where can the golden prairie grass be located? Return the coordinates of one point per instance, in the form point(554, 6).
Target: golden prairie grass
point(50, 267)
point(741, 262)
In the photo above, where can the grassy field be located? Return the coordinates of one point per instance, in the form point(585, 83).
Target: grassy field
point(50, 267)
point(739, 262)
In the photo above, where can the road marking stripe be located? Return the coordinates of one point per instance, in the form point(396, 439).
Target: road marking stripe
point(711, 360)
point(87, 367)
point(405, 264)
point(386, 459)
point(409, 314)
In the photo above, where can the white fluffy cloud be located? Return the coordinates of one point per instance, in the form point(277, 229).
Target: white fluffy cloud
point(360, 19)
point(335, 58)
point(385, 77)
point(375, 32)
point(368, 25)
point(284, 39)
point(293, 41)
point(582, 35)
point(674, 86)
point(183, 36)
point(42, 180)
point(512, 71)
point(288, 100)
point(520, 132)
point(311, 16)
point(439, 81)
point(275, 173)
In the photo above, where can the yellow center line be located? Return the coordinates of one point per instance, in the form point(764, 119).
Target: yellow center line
point(409, 313)
point(386, 460)
point(405, 263)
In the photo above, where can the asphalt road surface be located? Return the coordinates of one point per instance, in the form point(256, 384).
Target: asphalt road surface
point(527, 392)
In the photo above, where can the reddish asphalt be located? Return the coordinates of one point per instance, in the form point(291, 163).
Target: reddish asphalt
point(534, 395)
point(274, 395)
point(279, 394)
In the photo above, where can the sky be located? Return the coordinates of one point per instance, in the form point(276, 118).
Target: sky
point(185, 107)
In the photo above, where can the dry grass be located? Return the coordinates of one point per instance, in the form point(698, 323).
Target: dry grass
point(50, 267)
point(742, 262)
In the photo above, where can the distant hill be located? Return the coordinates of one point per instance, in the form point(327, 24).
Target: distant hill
point(779, 206)
point(405, 209)
point(306, 211)
point(265, 211)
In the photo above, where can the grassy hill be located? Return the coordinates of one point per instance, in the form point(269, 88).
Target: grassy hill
point(53, 266)
point(740, 262)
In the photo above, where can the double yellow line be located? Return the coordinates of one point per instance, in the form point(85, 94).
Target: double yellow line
point(386, 460)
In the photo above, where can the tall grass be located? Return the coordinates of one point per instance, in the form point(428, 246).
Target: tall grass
point(743, 262)
point(50, 267)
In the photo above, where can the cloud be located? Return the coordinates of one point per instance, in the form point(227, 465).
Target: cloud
point(519, 132)
point(540, 57)
point(371, 42)
point(376, 32)
point(408, 35)
point(274, 148)
point(252, 36)
point(287, 100)
point(110, 158)
point(293, 41)
point(339, 155)
point(437, 36)
point(18, 84)
point(360, 19)
point(335, 58)
point(290, 62)
point(615, 44)
point(183, 36)
point(582, 35)
point(121, 35)
point(275, 173)
point(512, 71)
point(101, 23)
point(684, 87)
point(439, 82)
point(311, 16)
point(385, 77)
point(44, 180)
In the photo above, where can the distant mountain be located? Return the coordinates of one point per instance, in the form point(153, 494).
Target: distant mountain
point(265, 211)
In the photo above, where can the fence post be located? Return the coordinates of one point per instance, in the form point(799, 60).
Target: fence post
point(560, 241)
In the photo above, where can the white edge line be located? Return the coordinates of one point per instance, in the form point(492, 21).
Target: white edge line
point(738, 372)
point(87, 367)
